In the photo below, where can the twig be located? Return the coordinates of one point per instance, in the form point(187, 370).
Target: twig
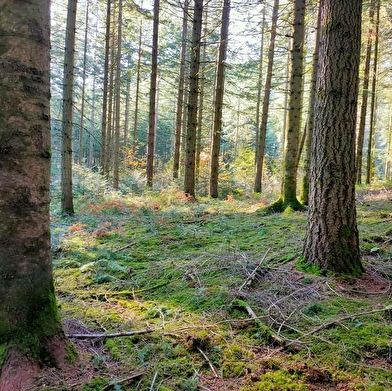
point(338, 321)
point(209, 362)
point(252, 275)
point(122, 381)
point(111, 335)
point(125, 247)
point(153, 381)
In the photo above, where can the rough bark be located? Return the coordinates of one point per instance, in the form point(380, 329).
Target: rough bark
point(218, 106)
point(190, 153)
point(67, 117)
point(332, 236)
point(29, 320)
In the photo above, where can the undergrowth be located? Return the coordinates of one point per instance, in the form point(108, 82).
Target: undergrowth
point(190, 275)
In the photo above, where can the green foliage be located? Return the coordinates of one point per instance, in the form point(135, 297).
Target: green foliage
point(304, 266)
point(280, 380)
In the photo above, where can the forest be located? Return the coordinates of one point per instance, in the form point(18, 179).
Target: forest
point(195, 195)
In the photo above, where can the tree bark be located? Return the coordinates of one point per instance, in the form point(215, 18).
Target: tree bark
point(372, 119)
point(266, 102)
point(181, 92)
point(365, 96)
point(218, 107)
point(332, 235)
point(153, 98)
point(29, 319)
point(190, 155)
point(67, 118)
point(310, 122)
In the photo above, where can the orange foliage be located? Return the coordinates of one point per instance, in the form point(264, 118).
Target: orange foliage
point(115, 206)
point(76, 227)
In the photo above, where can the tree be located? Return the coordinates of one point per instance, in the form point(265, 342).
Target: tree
point(260, 142)
point(218, 101)
point(190, 153)
point(29, 319)
point(181, 92)
point(332, 235)
point(67, 120)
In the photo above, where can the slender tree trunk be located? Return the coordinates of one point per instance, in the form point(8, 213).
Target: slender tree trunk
point(30, 327)
point(181, 92)
point(371, 141)
point(117, 87)
point(127, 104)
point(388, 163)
point(266, 101)
point(137, 94)
point(104, 151)
point(190, 156)
point(310, 122)
point(332, 236)
point(67, 120)
point(218, 107)
point(153, 97)
point(365, 96)
point(259, 86)
point(81, 127)
point(289, 185)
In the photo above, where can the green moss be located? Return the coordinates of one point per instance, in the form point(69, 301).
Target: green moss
point(280, 380)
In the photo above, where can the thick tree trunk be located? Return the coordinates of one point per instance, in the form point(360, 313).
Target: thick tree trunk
point(153, 98)
point(29, 320)
point(190, 156)
point(218, 106)
point(332, 235)
point(266, 102)
point(67, 118)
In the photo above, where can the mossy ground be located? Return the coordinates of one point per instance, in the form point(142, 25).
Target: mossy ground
point(178, 267)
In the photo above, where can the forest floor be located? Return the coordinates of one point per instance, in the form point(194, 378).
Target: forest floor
point(158, 292)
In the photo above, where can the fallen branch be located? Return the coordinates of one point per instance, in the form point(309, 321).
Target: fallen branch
point(252, 275)
point(209, 362)
point(338, 321)
point(110, 335)
point(153, 381)
point(125, 247)
point(122, 381)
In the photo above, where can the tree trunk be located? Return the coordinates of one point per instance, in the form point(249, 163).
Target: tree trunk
point(371, 141)
point(365, 96)
point(181, 92)
point(190, 155)
point(117, 87)
point(29, 321)
point(266, 102)
point(66, 139)
point(219, 92)
point(153, 97)
point(310, 122)
point(289, 185)
point(332, 235)
point(81, 127)
point(104, 126)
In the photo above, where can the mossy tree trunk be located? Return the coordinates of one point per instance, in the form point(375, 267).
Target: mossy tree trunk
point(29, 320)
point(332, 235)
